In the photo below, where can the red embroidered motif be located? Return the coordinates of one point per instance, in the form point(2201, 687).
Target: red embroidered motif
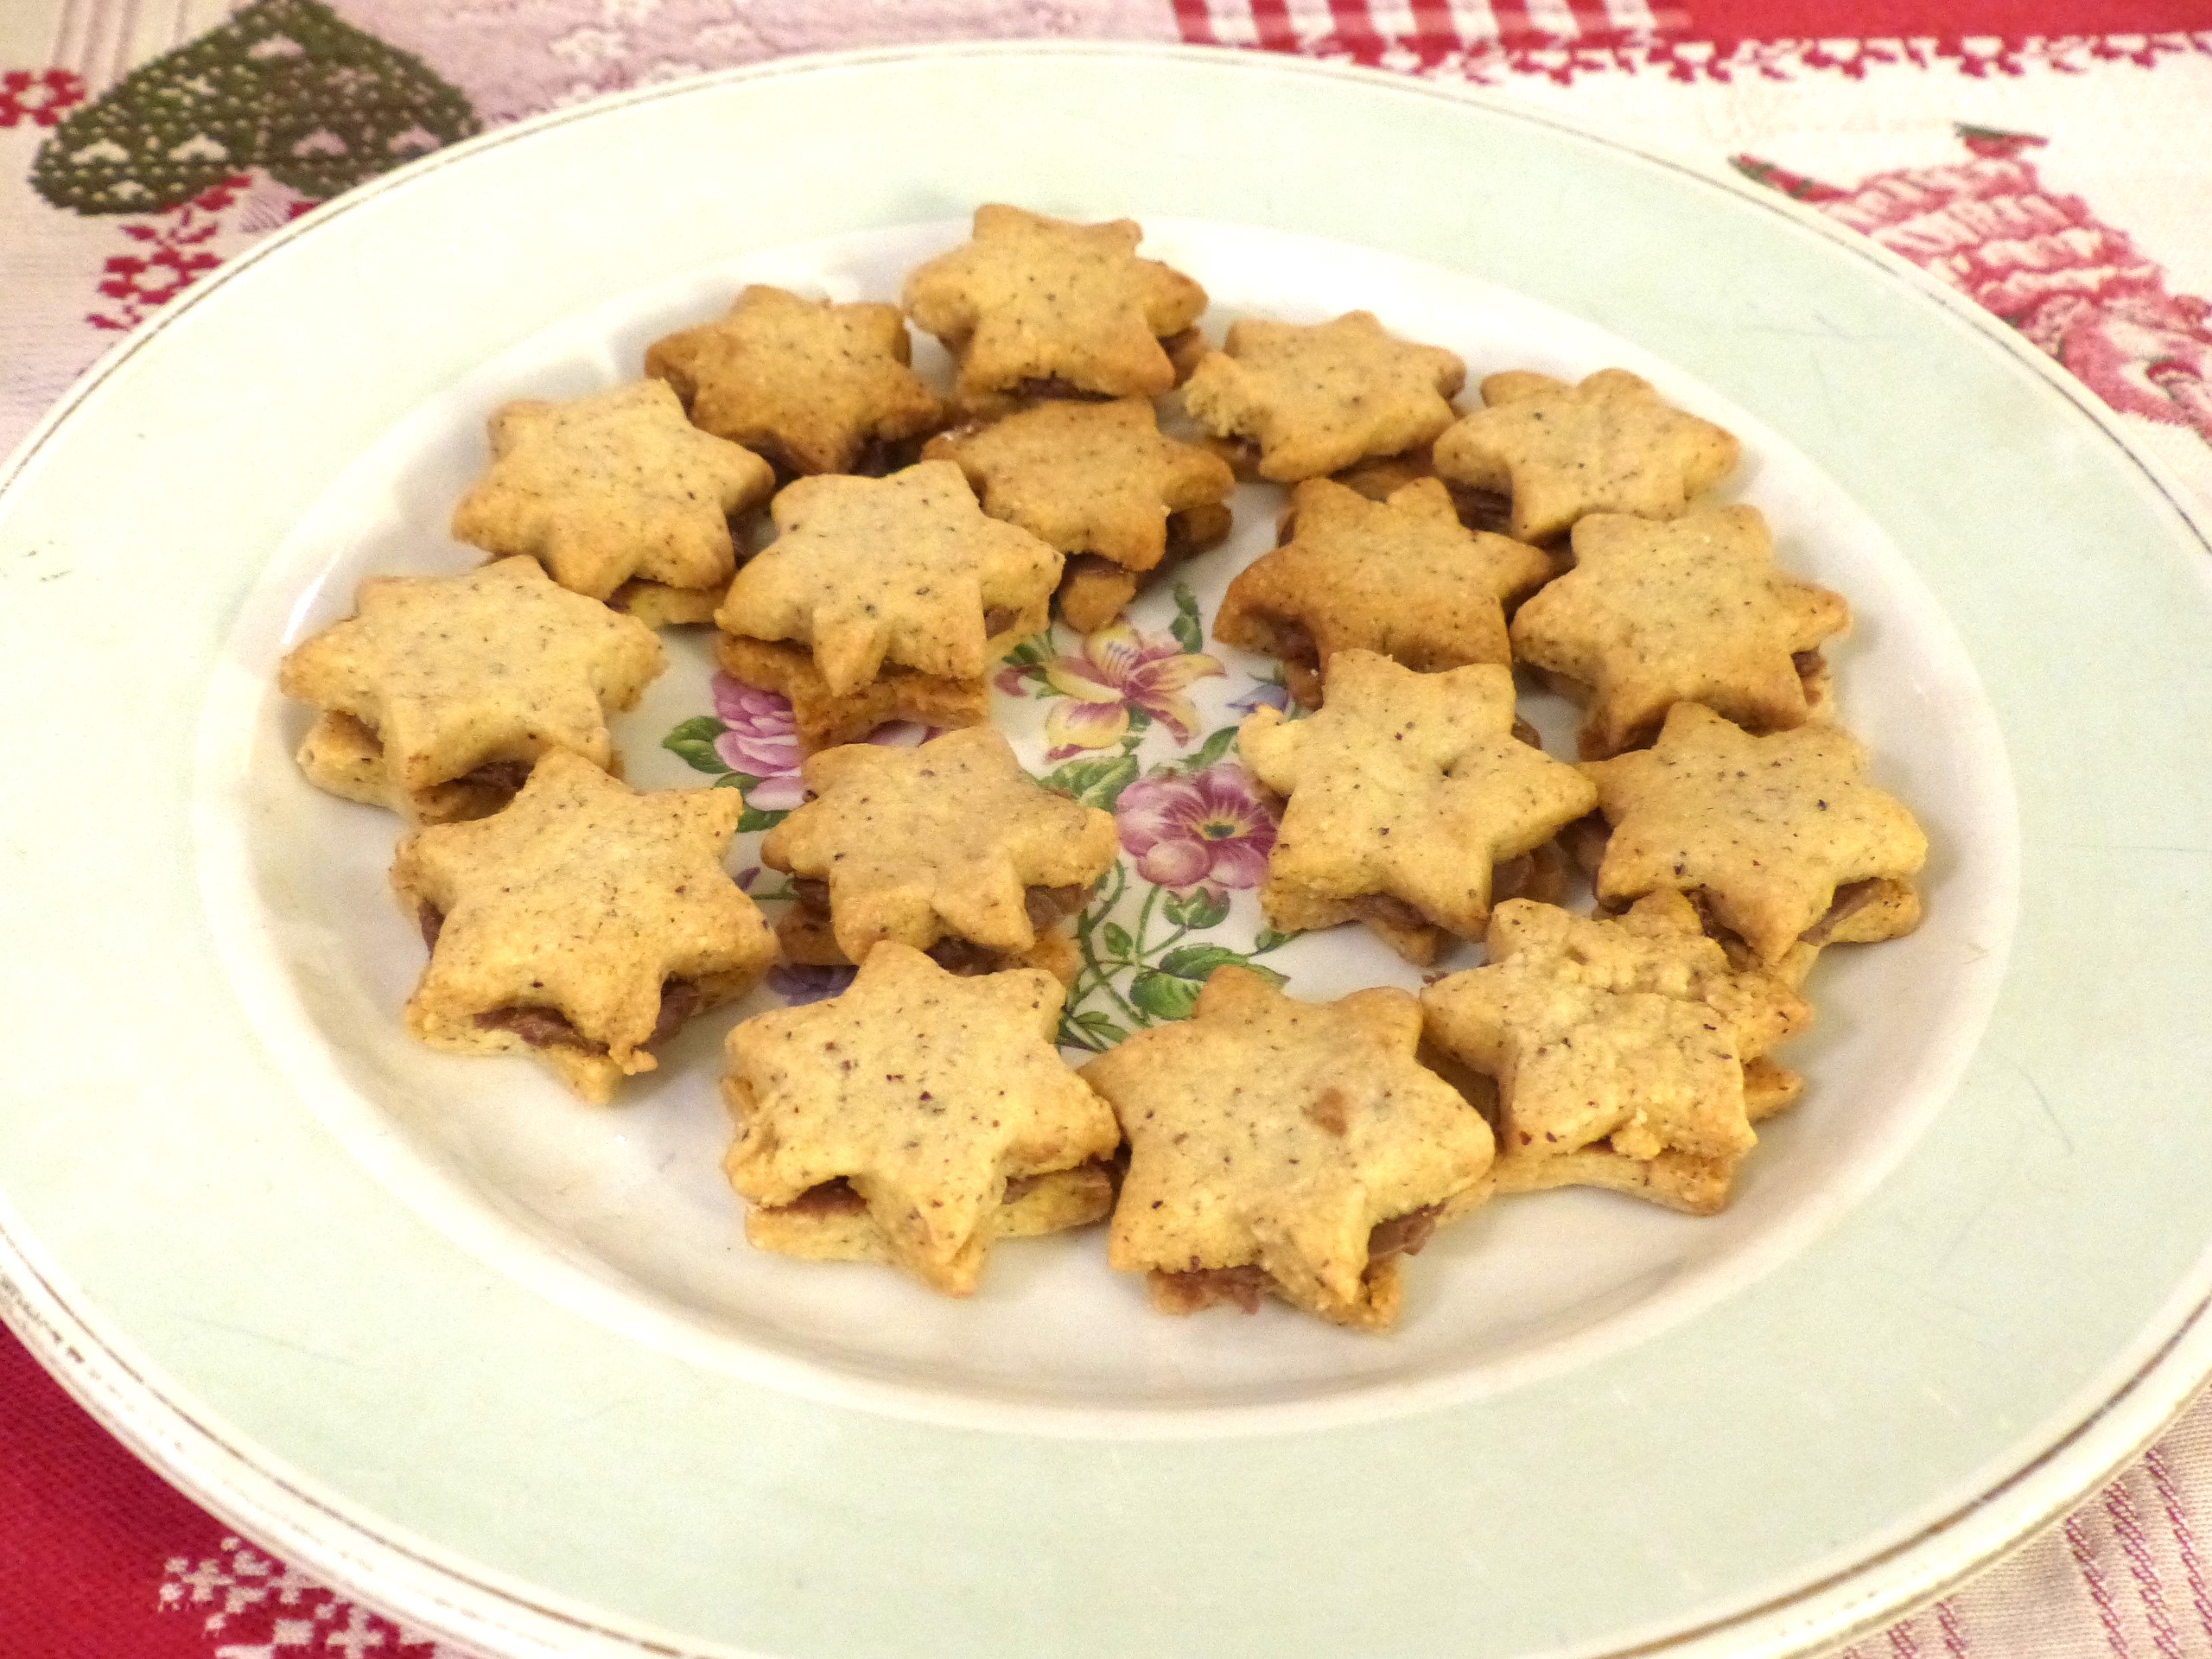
point(40, 97)
point(2041, 260)
point(176, 255)
point(254, 1607)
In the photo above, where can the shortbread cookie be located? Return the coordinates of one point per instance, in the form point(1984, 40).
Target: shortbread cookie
point(1285, 1149)
point(822, 719)
point(927, 1095)
point(1317, 398)
point(612, 487)
point(1763, 831)
point(463, 680)
point(1610, 445)
point(832, 1222)
point(1034, 306)
point(904, 570)
point(1402, 578)
point(816, 387)
point(1688, 610)
point(1381, 477)
point(659, 606)
point(581, 925)
point(1404, 791)
point(1095, 591)
point(1862, 912)
point(1618, 1048)
point(942, 847)
point(1088, 477)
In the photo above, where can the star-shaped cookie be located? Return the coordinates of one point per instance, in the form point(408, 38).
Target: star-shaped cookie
point(1610, 445)
point(814, 386)
point(1405, 786)
point(1763, 830)
point(1291, 1148)
point(1688, 610)
point(1088, 477)
point(439, 680)
point(926, 1094)
point(1620, 1048)
point(905, 569)
point(949, 841)
point(1043, 306)
point(1317, 398)
point(1402, 578)
point(612, 487)
point(581, 925)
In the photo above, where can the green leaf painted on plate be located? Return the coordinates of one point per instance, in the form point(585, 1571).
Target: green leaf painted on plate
point(1201, 907)
point(1211, 752)
point(1164, 994)
point(1097, 781)
point(1189, 630)
point(694, 741)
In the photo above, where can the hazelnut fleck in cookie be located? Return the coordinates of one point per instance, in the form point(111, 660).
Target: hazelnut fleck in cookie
point(1405, 792)
point(1619, 1050)
point(1402, 578)
point(1764, 832)
point(1099, 482)
point(582, 925)
point(1610, 445)
point(614, 489)
point(904, 570)
point(1038, 307)
point(939, 1106)
point(1286, 1148)
point(1317, 398)
point(814, 386)
point(1685, 610)
point(949, 848)
point(440, 693)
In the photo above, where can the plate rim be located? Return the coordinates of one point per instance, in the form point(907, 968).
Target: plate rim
point(464, 1601)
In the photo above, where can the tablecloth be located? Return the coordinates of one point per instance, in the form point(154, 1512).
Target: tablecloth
point(2052, 158)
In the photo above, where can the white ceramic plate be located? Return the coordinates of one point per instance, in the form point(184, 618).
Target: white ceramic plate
point(501, 1363)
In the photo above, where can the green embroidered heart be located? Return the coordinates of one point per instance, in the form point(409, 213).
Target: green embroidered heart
point(285, 85)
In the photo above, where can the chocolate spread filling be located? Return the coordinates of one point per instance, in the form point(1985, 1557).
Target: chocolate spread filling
point(1295, 643)
point(1204, 1288)
point(1403, 1235)
point(507, 775)
point(1196, 529)
point(838, 1197)
point(1481, 510)
point(1851, 897)
point(880, 457)
point(550, 1027)
point(1808, 664)
point(1387, 912)
point(998, 619)
point(1054, 385)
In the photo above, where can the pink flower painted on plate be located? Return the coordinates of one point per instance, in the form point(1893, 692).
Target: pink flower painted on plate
point(1119, 670)
point(761, 741)
point(1197, 828)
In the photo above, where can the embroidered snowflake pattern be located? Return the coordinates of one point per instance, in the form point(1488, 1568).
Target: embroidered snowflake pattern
point(252, 1606)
